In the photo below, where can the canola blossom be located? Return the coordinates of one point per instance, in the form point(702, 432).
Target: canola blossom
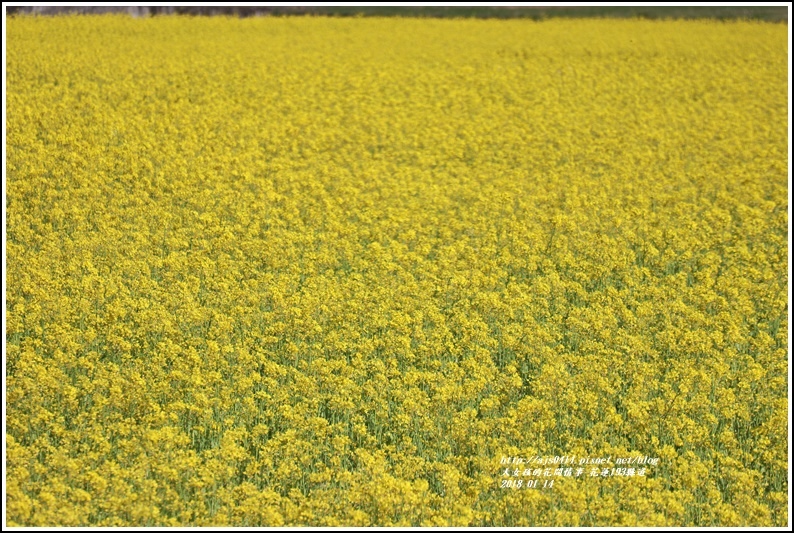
point(319, 271)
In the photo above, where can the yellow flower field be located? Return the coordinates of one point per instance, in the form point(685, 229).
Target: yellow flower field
point(329, 271)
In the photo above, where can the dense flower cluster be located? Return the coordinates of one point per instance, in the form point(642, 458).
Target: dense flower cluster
point(329, 271)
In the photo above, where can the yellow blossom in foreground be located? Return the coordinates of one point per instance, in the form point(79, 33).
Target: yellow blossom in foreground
point(318, 271)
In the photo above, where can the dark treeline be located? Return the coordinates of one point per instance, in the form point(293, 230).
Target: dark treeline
point(142, 11)
point(766, 13)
